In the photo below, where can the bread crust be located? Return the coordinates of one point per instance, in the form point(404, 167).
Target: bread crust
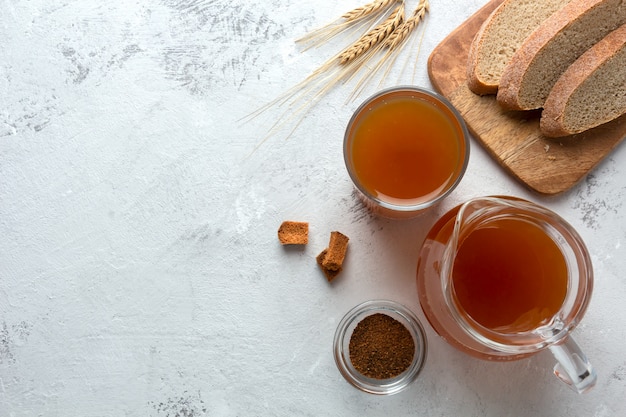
point(535, 46)
point(553, 123)
point(474, 82)
point(478, 81)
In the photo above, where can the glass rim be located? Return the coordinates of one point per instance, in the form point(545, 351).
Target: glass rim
point(452, 182)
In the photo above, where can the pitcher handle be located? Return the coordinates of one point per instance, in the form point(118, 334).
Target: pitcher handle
point(573, 367)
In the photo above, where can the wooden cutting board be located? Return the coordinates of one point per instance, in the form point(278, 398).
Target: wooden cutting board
point(548, 166)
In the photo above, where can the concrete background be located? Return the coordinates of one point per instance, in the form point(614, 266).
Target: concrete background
point(140, 273)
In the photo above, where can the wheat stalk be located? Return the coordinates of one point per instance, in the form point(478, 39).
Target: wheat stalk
point(368, 9)
point(392, 46)
point(374, 37)
point(399, 36)
point(361, 16)
point(388, 36)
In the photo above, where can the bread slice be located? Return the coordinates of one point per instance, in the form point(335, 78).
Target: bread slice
point(330, 260)
point(330, 274)
point(499, 38)
point(591, 92)
point(533, 70)
point(336, 253)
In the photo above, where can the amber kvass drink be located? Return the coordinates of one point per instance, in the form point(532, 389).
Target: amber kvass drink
point(501, 278)
point(405, 149)
point(509, 276)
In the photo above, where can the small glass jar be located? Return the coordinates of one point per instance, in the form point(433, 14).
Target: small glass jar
point(342, 342)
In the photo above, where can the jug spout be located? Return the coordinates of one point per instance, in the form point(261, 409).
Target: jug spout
point(475, 210)
point(468, 214)
point(572, 366)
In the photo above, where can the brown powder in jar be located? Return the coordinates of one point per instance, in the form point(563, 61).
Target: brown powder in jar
point(381, 347)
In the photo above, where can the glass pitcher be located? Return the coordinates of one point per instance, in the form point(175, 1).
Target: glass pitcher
point(502, 278)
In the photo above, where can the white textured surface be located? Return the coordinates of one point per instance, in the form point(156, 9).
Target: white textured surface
point(140, 273)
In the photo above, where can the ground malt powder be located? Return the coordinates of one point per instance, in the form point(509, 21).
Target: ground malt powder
point(381, 347)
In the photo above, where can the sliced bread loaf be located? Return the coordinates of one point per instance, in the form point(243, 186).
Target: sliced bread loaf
point(499, 38)
point(533, 70)
point(591, 92)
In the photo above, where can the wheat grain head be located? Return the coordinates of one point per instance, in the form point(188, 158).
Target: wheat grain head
point(373, 37)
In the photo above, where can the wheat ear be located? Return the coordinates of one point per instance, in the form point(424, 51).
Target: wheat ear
point(373, 37)
point(366, 10)
point(392, 45)
point(400, 35)
point(360, 15)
